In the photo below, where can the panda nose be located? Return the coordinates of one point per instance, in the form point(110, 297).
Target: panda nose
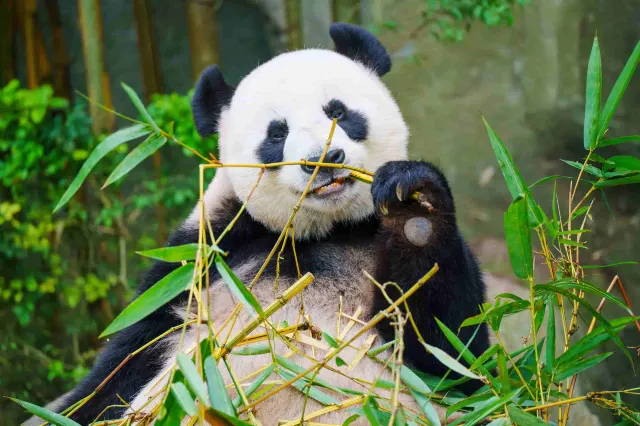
point(335, 156)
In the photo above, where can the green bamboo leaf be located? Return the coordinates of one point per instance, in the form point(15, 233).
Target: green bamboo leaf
point(237, 288)
point(625, 162)
point(135, 157)
point(255, 385)
point(486, 356)
point(312, 391)
point(351, 420)
point(140, 107)
point(340, 362)
point(578, 365)
point(183, 397)
point(583, 303)
point(177, 253)
point(109, 144)
point(592, 98)
point(292, 366)
point(456, 342)
point(371, 411)
point(379, 349)
point(155, 297)
point(593, 340)
point(421, 393)
point(588, 168)
point(230, 420)
point(487, 408)
point(571, 243)
point(503, 372)
point(589, 288)
point(522, 418)
point(548, 178)
point(617, 182)
point(45, 414)
point(472, 401)
point(617, 141)
point(450, 362)
point(518, 236)
point(171, 414)
point(608, 266)
point(218, 395)
point(193, 379)
point(330, 340)
point(550, 353)
point(618, 90)
point(257, 349)
point(513, 178)
point(500, 421)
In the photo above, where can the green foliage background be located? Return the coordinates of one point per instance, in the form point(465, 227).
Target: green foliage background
point(65, 276)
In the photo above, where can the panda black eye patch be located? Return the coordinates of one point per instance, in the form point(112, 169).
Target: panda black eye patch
point(352, 122)
point(271, 150)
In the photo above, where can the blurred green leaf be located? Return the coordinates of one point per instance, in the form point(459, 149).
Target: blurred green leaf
point(330, 340)
point(625, 162)
point(140, 107)
point(45, 414)
point(371, 411)
point(550, 353)
point(227, 419)
point(218, 395)
point(518, 236)
point(592, 98)
point(548, 178)
point(618, 90)
point(609, 265)
point(238, 288)
point(588, 168)
point(155, 297)
point(106, 146)
point(180, 392)
point(135, 157)
point(193, 379)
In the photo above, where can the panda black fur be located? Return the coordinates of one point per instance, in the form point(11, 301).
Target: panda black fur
point(282, 111)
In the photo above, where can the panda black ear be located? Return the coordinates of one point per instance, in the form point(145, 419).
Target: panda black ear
point(360, 45)
point(212, 93)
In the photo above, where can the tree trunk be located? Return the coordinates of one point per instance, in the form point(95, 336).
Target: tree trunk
point(7, 46)
point(203, 34)
point(294, 24)
point(92, 45)
point(347, 11)
point(28, 10)
point(60, 60)
point(151, 83)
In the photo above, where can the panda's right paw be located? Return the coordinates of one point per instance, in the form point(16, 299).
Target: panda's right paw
point(396, 182)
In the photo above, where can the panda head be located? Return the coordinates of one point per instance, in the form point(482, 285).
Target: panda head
point(283, 111)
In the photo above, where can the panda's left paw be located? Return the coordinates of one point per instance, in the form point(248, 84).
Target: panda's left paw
point(396, 181)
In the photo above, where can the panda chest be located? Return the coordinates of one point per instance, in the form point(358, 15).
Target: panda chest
point(339, 287)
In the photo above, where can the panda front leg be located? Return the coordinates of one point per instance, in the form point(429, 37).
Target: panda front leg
point(415, 234)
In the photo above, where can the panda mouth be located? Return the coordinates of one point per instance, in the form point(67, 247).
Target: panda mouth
point(330, 188)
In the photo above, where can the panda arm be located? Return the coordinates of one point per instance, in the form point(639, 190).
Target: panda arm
point(413, 237)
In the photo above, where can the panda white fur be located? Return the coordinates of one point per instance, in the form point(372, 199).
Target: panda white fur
point(282, 111)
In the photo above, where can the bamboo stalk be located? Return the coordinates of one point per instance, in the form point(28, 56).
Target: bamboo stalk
point(346, 11)
point(7, 41)
point(60, 58)
point(151, 83)
point(293, 9)
point(203, 34)
point(91, 30)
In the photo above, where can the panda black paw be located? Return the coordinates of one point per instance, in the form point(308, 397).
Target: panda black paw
point(395, 183)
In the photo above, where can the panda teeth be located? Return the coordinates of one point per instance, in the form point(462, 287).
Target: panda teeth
point(336, 183)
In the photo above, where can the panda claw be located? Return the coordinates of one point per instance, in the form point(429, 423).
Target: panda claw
point(399, 192)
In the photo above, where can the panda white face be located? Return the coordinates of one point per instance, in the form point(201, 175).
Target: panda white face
point(283, 111)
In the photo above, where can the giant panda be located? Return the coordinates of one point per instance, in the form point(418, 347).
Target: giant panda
point(282, 111)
